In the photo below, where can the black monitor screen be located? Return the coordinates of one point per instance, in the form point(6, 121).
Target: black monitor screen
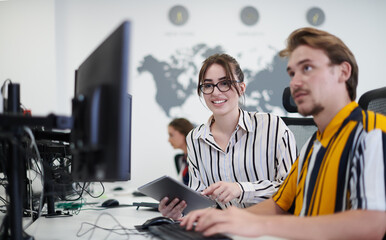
point(101, 135)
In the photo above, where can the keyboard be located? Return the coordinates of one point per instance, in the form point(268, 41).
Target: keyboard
point(176, 232)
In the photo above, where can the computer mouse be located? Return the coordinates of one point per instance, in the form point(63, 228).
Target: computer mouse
point(110, 203)
point(157, 221)
point(118, 189)
point(138, 194)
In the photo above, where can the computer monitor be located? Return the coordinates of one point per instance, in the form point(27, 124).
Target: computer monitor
point(101, 111)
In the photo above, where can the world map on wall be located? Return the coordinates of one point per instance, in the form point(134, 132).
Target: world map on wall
point(175, 79)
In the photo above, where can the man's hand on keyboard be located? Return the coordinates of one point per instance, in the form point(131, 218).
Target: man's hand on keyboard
point(232, 220)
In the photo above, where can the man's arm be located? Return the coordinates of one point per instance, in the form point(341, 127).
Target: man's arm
point(267, 207)
point(353, 224)
point(215, 216)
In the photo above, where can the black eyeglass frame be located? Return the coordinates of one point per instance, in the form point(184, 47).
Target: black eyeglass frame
point(216, 85)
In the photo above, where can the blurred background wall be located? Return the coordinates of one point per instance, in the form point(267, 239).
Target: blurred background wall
point(42, 42)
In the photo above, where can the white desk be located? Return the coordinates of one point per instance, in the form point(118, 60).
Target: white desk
point(70, 227)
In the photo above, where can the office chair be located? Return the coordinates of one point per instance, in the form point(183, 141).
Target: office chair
point(374, 100)
point(301, 127)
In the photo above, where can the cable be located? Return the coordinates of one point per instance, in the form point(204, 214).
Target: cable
point(4, 86)
point(35, 147)
point(3, 104)
point(3, 180)
point(30, 195)
point(118, 229)
point(103, 191)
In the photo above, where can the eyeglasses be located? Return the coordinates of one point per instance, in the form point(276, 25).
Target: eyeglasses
point(222, 86)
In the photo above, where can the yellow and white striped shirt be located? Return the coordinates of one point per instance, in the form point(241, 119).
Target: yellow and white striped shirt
point(339, 169)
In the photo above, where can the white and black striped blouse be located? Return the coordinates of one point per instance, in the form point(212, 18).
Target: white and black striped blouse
point(259, 156)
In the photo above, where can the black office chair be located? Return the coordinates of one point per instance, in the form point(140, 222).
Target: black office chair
point(374, 100)
point(301, 127)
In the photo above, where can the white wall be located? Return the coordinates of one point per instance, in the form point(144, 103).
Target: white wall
point(27, 51)
point(42, 42)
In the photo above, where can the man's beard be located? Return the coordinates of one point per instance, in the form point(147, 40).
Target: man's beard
point(314, 111)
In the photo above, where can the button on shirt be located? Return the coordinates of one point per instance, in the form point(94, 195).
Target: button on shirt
point(258, 157)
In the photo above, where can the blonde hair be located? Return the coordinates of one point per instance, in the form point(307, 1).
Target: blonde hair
point(334, 48)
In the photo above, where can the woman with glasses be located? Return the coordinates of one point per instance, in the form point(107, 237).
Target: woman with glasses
point(237, 158)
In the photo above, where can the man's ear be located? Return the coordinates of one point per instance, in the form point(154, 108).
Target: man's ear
point(345, 71)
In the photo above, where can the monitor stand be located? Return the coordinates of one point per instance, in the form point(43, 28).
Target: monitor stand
point(12, 222)
point(12, 124)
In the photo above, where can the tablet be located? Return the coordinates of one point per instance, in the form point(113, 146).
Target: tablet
point(168, 187)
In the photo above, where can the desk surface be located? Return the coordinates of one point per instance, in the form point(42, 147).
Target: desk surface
point(80, 226)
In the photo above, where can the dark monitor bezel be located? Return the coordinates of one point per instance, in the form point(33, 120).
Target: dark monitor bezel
point(101, 134)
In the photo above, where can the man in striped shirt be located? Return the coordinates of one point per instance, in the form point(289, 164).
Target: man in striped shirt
point(337, 184)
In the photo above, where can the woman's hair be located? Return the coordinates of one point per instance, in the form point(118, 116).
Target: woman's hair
point(333, 47)
point(230, 65)
point(182, 125)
